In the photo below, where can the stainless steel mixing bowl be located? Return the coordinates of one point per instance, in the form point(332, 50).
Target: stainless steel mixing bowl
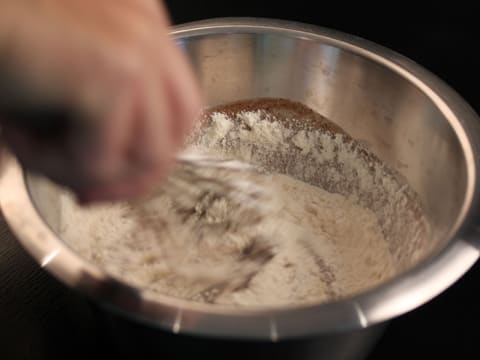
point(408, 117)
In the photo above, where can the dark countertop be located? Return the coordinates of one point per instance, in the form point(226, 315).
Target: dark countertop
point(41, 319)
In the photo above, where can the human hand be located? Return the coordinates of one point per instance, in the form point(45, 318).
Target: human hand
point(94, 94)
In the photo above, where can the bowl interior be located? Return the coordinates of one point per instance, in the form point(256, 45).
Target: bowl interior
point(372, 102)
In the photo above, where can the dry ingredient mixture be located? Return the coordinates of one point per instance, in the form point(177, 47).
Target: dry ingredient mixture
point(325, 243)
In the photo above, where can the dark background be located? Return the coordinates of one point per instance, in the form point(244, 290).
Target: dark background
point(40, 319)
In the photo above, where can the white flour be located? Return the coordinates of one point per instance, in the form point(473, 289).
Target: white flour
point(324, 245)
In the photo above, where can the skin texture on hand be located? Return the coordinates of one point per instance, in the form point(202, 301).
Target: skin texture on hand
point(108, 71)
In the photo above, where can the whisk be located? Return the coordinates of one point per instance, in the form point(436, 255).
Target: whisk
point(203, 179)
point(199, 183)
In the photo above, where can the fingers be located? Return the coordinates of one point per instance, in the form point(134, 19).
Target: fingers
point(145, 156)
point(183, 96)
point(166, 107)
point(100, 150)
point(182, 91)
